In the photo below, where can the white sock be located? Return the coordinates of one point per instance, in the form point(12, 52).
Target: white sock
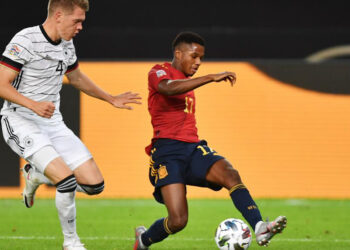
point(65, 204)
point(80, 189)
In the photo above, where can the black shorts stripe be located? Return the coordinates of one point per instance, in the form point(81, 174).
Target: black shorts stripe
point(12, 135)
point(10, 131)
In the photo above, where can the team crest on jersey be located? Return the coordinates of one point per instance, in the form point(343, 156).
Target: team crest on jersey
point(162, 172)
point(160, 73)
point(28, 142)
point(14, 51)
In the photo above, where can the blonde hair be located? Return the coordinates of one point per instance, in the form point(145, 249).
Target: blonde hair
point(67, 5)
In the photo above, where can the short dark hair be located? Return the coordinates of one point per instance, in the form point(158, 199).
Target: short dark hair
point(187, 37)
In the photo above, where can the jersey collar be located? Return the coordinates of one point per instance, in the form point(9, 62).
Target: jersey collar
point(47, 36)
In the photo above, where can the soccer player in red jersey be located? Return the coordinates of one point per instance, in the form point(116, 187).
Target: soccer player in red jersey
point(178, 157)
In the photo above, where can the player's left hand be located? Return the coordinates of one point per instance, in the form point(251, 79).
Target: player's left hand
point(119, 101)
point(224, 76)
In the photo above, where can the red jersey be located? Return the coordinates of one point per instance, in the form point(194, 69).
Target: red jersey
point(172, 116)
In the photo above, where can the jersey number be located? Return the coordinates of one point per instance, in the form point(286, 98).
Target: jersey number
point(189, 105)
point(60, 67)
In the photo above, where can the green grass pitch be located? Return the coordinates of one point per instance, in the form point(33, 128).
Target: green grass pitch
point(108, 224)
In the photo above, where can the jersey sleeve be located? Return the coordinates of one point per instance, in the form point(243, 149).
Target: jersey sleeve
point(17, 53)
point(73, 59)
point(156, 75)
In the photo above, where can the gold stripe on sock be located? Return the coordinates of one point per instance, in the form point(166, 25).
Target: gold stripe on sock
point(165, 222)
point(238, 186)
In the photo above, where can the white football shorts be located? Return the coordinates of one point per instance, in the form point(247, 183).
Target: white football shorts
point(26, 137)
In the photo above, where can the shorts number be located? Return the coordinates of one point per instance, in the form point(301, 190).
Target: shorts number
point(204, 150)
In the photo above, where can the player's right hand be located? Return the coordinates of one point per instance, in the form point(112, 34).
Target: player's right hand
point(44, 109)
point(225, 76)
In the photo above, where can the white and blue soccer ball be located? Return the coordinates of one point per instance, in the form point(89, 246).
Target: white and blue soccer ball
point(233, 234)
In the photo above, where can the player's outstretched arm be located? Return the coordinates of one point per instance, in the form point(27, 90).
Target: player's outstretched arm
point(177, 87)
point(82, 82)
point(8, 92)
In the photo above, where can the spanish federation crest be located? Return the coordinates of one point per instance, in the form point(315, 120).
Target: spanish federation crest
point(162, 172)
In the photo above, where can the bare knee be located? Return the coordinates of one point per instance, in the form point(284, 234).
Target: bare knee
point(222, 173)
point(177, 223)
point(88, 173)
point(231, 177)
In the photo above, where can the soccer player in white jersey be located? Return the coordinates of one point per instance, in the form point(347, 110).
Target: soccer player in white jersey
point(31, 73)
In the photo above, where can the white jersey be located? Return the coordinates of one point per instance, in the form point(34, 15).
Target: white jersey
point(41, 64)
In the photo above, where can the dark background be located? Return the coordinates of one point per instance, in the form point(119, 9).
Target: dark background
point(239, 30)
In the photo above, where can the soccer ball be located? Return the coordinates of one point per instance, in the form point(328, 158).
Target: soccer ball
point(233, 234)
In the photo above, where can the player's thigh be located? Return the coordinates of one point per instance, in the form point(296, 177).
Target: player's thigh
point(76, 155)
point(174, 197)
point(164, 172)
point(88, 173)
point(222, 173)
point(57, 170)
point(68, 145)
point(202, 160)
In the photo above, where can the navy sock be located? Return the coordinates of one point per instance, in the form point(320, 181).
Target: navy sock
point(245, 204)
point(157, 232)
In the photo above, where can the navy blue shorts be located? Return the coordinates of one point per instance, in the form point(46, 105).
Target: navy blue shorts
point(174, 161)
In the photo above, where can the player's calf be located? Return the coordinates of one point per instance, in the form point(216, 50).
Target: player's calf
point(65, 204)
